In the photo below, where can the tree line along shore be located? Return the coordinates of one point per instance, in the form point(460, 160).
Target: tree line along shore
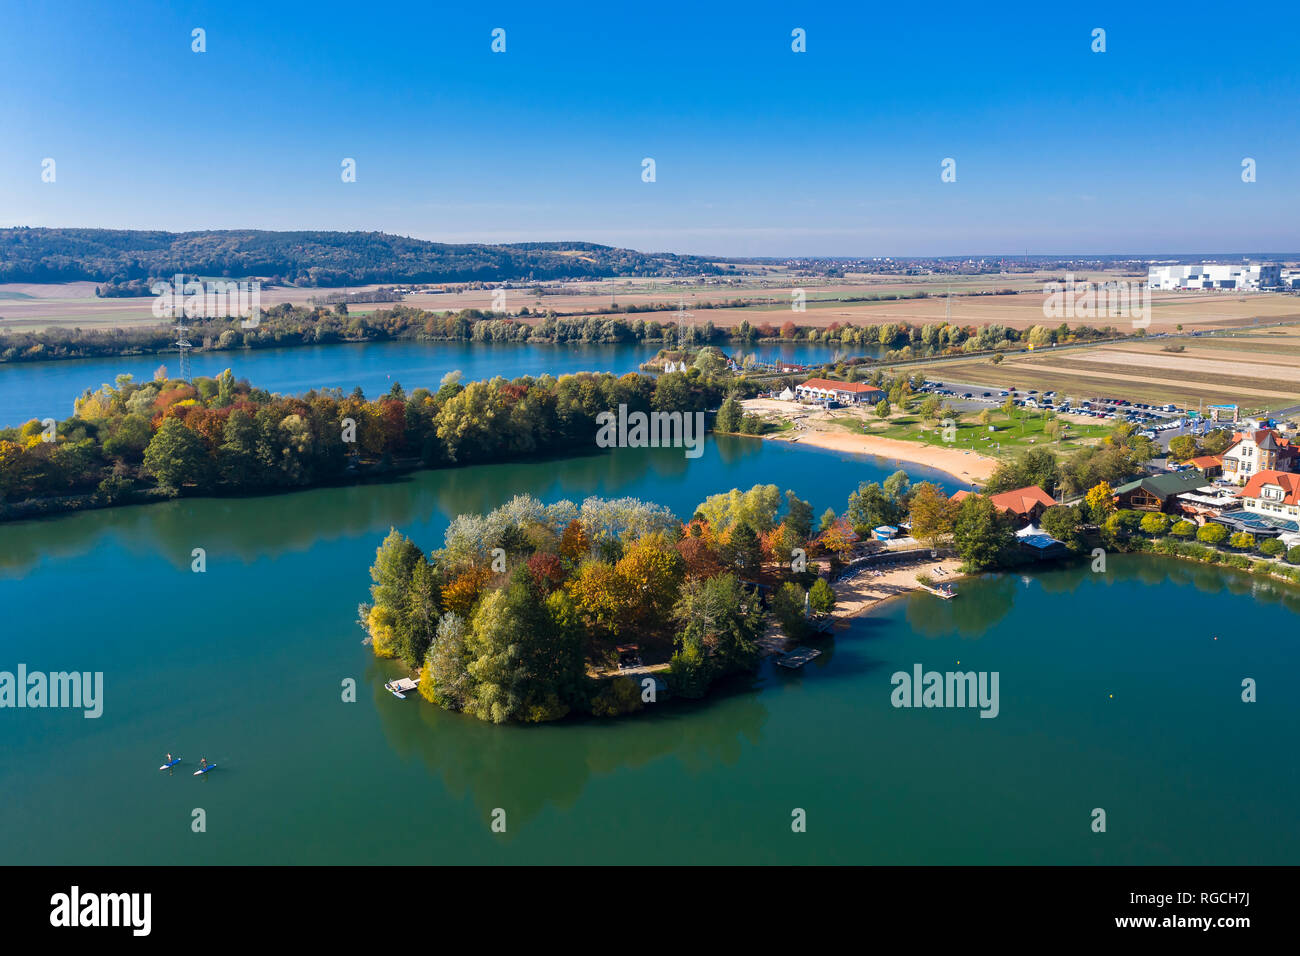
point(137, 441)
point(132, 441)
point(285, 325)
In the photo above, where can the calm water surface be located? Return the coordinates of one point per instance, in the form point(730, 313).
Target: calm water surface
point(1114, 694)
point(47, 389)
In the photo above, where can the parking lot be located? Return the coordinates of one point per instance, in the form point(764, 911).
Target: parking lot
point(1159, 423)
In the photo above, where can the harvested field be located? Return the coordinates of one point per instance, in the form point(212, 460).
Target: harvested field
point(1017, 311)
point(1077, 386)
point(1256, 371)
point(30, 306)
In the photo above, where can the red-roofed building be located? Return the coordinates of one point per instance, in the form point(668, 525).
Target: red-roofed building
point(962, 495)
point(1208, 465)
point(850, 393)
point(1027, 504)
point(1254, 451)
point(1275, 494)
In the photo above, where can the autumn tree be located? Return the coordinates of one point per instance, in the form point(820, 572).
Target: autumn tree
point(1100, 502)
point(652, 570)
point(1211, 533)
point(932, 513)
point(699, 557)
point(574, 543)
point(600, 597)
point(839, 538)
point(1155, 523)
point(546, 569)
point(464, 589)
point(1182, 448)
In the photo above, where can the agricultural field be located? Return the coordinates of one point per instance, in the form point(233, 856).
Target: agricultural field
point(1168, 311)
point(1257, 369)
point(859, 299)
point(29, 307)
point(32, 306)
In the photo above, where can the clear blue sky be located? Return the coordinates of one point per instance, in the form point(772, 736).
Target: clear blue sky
point(759, 151)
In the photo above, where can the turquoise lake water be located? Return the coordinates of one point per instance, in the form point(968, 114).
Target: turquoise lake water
point(243, 665)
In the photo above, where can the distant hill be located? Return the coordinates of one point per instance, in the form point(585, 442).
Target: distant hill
point(312, 258)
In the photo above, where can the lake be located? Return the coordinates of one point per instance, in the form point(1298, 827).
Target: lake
point(47, 389)
point(244, 664)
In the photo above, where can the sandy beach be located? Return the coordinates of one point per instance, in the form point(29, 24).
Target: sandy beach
point(870, 587)
point(961, 464)
point(867, 590)
point(812, 426)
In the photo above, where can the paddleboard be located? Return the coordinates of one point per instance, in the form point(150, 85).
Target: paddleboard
point(170, 763)
point(210, 766)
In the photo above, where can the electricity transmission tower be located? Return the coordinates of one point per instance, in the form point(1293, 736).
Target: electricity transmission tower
point(183, 345)
point(684, 319)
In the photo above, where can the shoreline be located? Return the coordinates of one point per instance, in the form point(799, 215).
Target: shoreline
point(867, 592)
point(971, 467)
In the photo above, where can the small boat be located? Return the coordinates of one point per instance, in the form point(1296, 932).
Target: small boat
point(210, 766)
point(171, 763)
point(401, 687)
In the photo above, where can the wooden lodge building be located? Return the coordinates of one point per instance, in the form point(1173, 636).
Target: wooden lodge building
point(1159, 492)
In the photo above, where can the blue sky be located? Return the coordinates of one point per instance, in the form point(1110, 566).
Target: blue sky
point(758, 150)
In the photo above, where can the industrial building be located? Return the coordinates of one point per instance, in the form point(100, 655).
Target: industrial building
point(1241, 277)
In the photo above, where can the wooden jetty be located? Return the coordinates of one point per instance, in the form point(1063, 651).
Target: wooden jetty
point(798, 657)
point(946, 592)
point(401, 687)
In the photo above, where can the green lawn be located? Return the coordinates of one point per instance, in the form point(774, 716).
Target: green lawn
point(1007, 438)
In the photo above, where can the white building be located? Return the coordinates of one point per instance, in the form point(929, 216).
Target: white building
point(1256, 450)
point(1212, 275)
point(850, 393)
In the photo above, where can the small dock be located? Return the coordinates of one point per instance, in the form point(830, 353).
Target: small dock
point(947, 592)
point(798, 657)
point(401, 687)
